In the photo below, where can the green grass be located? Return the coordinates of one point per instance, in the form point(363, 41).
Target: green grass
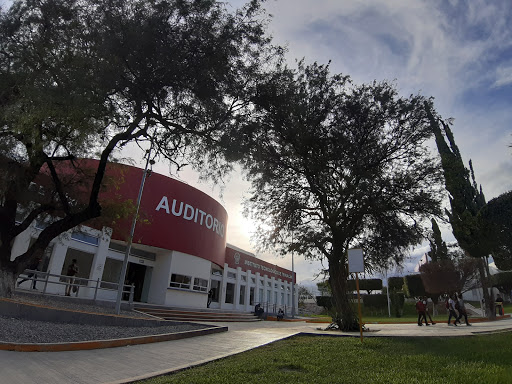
point(309, 359)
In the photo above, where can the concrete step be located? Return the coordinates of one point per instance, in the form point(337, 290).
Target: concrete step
point(181, 314)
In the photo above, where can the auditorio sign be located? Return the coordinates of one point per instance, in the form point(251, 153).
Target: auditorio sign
point(173, 215)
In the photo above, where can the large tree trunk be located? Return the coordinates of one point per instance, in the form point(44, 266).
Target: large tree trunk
point(488, 298)
point(7, 282)
point(344, 316)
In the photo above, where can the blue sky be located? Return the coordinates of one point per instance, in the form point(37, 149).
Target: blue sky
point(459, 52)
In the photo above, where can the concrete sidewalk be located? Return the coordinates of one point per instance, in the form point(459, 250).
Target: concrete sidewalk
point(125, 364)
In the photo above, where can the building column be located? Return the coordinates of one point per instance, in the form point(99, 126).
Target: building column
point(257, 298)
point(237, 287)
point(98, 262)
point(247, 303)
point(60, 248)
point(222, 293)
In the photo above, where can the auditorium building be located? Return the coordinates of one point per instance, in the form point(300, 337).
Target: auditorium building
point(179, 251)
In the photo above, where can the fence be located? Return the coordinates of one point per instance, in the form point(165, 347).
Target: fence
point(35, 276)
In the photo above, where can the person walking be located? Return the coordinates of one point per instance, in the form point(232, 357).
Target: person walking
point(210, 297)
point(420, 308)
point(462, 310)
point(427, 312)
point(71, 273)
point(451, 308)
point(34, 266)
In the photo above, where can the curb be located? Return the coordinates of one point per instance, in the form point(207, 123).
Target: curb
point(99, 344)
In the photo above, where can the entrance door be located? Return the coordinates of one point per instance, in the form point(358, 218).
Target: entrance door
point(135, 275)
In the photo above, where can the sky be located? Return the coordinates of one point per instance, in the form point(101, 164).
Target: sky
point(459, 52)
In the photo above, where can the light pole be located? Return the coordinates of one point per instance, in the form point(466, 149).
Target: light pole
point(293, 283)
point(120, 285)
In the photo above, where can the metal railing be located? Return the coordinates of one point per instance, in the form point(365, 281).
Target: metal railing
point(273, 308)
point(35, 276)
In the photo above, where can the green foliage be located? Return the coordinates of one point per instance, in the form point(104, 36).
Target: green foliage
point(376, 302)
point(324, 301)
point(368, 285)
point(396, 283)
point(414, 286)
point(397, 303)
point(497, 220)
point(438, 248)
point(502, 281)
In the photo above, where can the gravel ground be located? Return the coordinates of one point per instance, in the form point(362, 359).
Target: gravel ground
point(30, 331)
point(15, 330)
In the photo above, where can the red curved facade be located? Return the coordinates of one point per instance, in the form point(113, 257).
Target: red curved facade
point(175, 216)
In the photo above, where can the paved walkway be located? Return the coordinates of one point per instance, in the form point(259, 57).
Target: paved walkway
point(125, 364)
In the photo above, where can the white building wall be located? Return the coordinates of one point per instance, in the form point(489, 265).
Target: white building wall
point(195, 267)
point(160, 278)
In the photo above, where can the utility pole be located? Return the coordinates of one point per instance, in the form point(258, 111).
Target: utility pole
point(122, 276)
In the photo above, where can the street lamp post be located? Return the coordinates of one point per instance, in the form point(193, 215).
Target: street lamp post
point(122, 276)
point(293, 283)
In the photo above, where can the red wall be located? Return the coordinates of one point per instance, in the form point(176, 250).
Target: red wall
point(236, 258)
point(167, 230)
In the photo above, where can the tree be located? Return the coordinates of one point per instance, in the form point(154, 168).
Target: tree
point(85, 78)
point(449, 276)
point(335, 165)
point(438, 248)
point(503, 281)
point(497, 221)
point(414, 286)
point(466, 201)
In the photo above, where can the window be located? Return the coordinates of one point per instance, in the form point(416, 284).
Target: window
point(242, 295)
point(231, 275)
point(85, 238)
point(230, 293)
point(282, 298)
point(111, 273)
point(200, 285)
point(180, 281)
point(253, 280)
point(262, 282)
point(268, 296)
point(261, 299)
point(84, 261)
point(269, 283)
point(251, 296)
point(216, 272)
point(243, 278)
point(215, 287)
point(133, 251)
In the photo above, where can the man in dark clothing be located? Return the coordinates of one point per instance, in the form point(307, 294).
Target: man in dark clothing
point(420, 308)
point(459, 306)
point(71, 273)
point(34, 266)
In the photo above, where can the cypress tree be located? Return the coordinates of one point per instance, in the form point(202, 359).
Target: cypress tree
point(466, 201)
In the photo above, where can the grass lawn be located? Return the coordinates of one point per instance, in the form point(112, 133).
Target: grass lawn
point(309, 359)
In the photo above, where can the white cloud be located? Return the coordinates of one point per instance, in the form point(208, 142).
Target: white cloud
point(503, 76)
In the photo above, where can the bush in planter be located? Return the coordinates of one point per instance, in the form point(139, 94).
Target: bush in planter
point(397, 303)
